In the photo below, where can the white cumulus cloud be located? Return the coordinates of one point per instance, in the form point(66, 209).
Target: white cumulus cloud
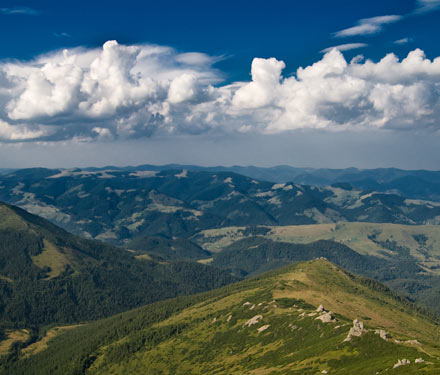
point(137, 91)
point(266, 75)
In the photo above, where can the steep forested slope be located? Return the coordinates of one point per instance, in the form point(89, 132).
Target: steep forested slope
point(48, 275)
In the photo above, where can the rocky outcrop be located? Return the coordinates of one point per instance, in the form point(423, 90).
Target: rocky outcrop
point(382, 334)
point(326, 317)
point(263, 328)
point(358, 330)
point(402, 362)
point(253, 320)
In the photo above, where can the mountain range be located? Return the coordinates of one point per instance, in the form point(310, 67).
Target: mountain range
point(415, 184)
point(117, 206)
point(141, 235)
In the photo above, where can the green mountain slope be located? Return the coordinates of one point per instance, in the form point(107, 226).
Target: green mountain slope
point(404, 257)
point(48, 275)
point(298, 320)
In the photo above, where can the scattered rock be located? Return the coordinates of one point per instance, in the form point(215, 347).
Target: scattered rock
point(412, 342)
point(292, 326)
point(358, 329)
point(253, 320)
point(337, 327)
point(247, 304)
point(324, 372)
point(320, 309)
point(326, 318)
point(252, 307)
point(311, 314)
point(419, 360)
point(214, 320)
point(302, 315)
point(263, 328)
point(401, 362)
point(382, 333)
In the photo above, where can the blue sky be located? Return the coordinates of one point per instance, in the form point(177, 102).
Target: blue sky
point(205, 73)
point(293, 31)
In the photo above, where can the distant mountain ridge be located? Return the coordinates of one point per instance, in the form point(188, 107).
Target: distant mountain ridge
point(116, 205)
point(416, 184)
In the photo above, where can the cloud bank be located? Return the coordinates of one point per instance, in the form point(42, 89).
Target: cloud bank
point(125, 92)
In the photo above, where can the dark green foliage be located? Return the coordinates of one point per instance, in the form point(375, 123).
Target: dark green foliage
point(142, 340)
point(421, 239)
point(254, 230)
point(168, 248)
point(256, 254)
point(98, 281)
point(73, 352)
point(290, 302)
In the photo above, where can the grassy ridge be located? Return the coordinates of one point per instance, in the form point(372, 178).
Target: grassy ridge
point(207, 334)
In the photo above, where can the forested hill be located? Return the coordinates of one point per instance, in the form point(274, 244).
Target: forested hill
point(50, 276)
point(118, 206)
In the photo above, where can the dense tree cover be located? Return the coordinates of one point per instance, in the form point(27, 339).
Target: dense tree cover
point(72, 352)
point(256, 254)
point(95, 280)
point(168, 248)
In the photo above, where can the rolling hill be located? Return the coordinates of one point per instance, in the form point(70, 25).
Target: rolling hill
point(415, 184)
point(404, 257)
point(50, 276)
point(384, 240)
point(308, 318)
point(118, 206)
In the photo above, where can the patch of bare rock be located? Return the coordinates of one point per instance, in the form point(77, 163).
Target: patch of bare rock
point(357, 330)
